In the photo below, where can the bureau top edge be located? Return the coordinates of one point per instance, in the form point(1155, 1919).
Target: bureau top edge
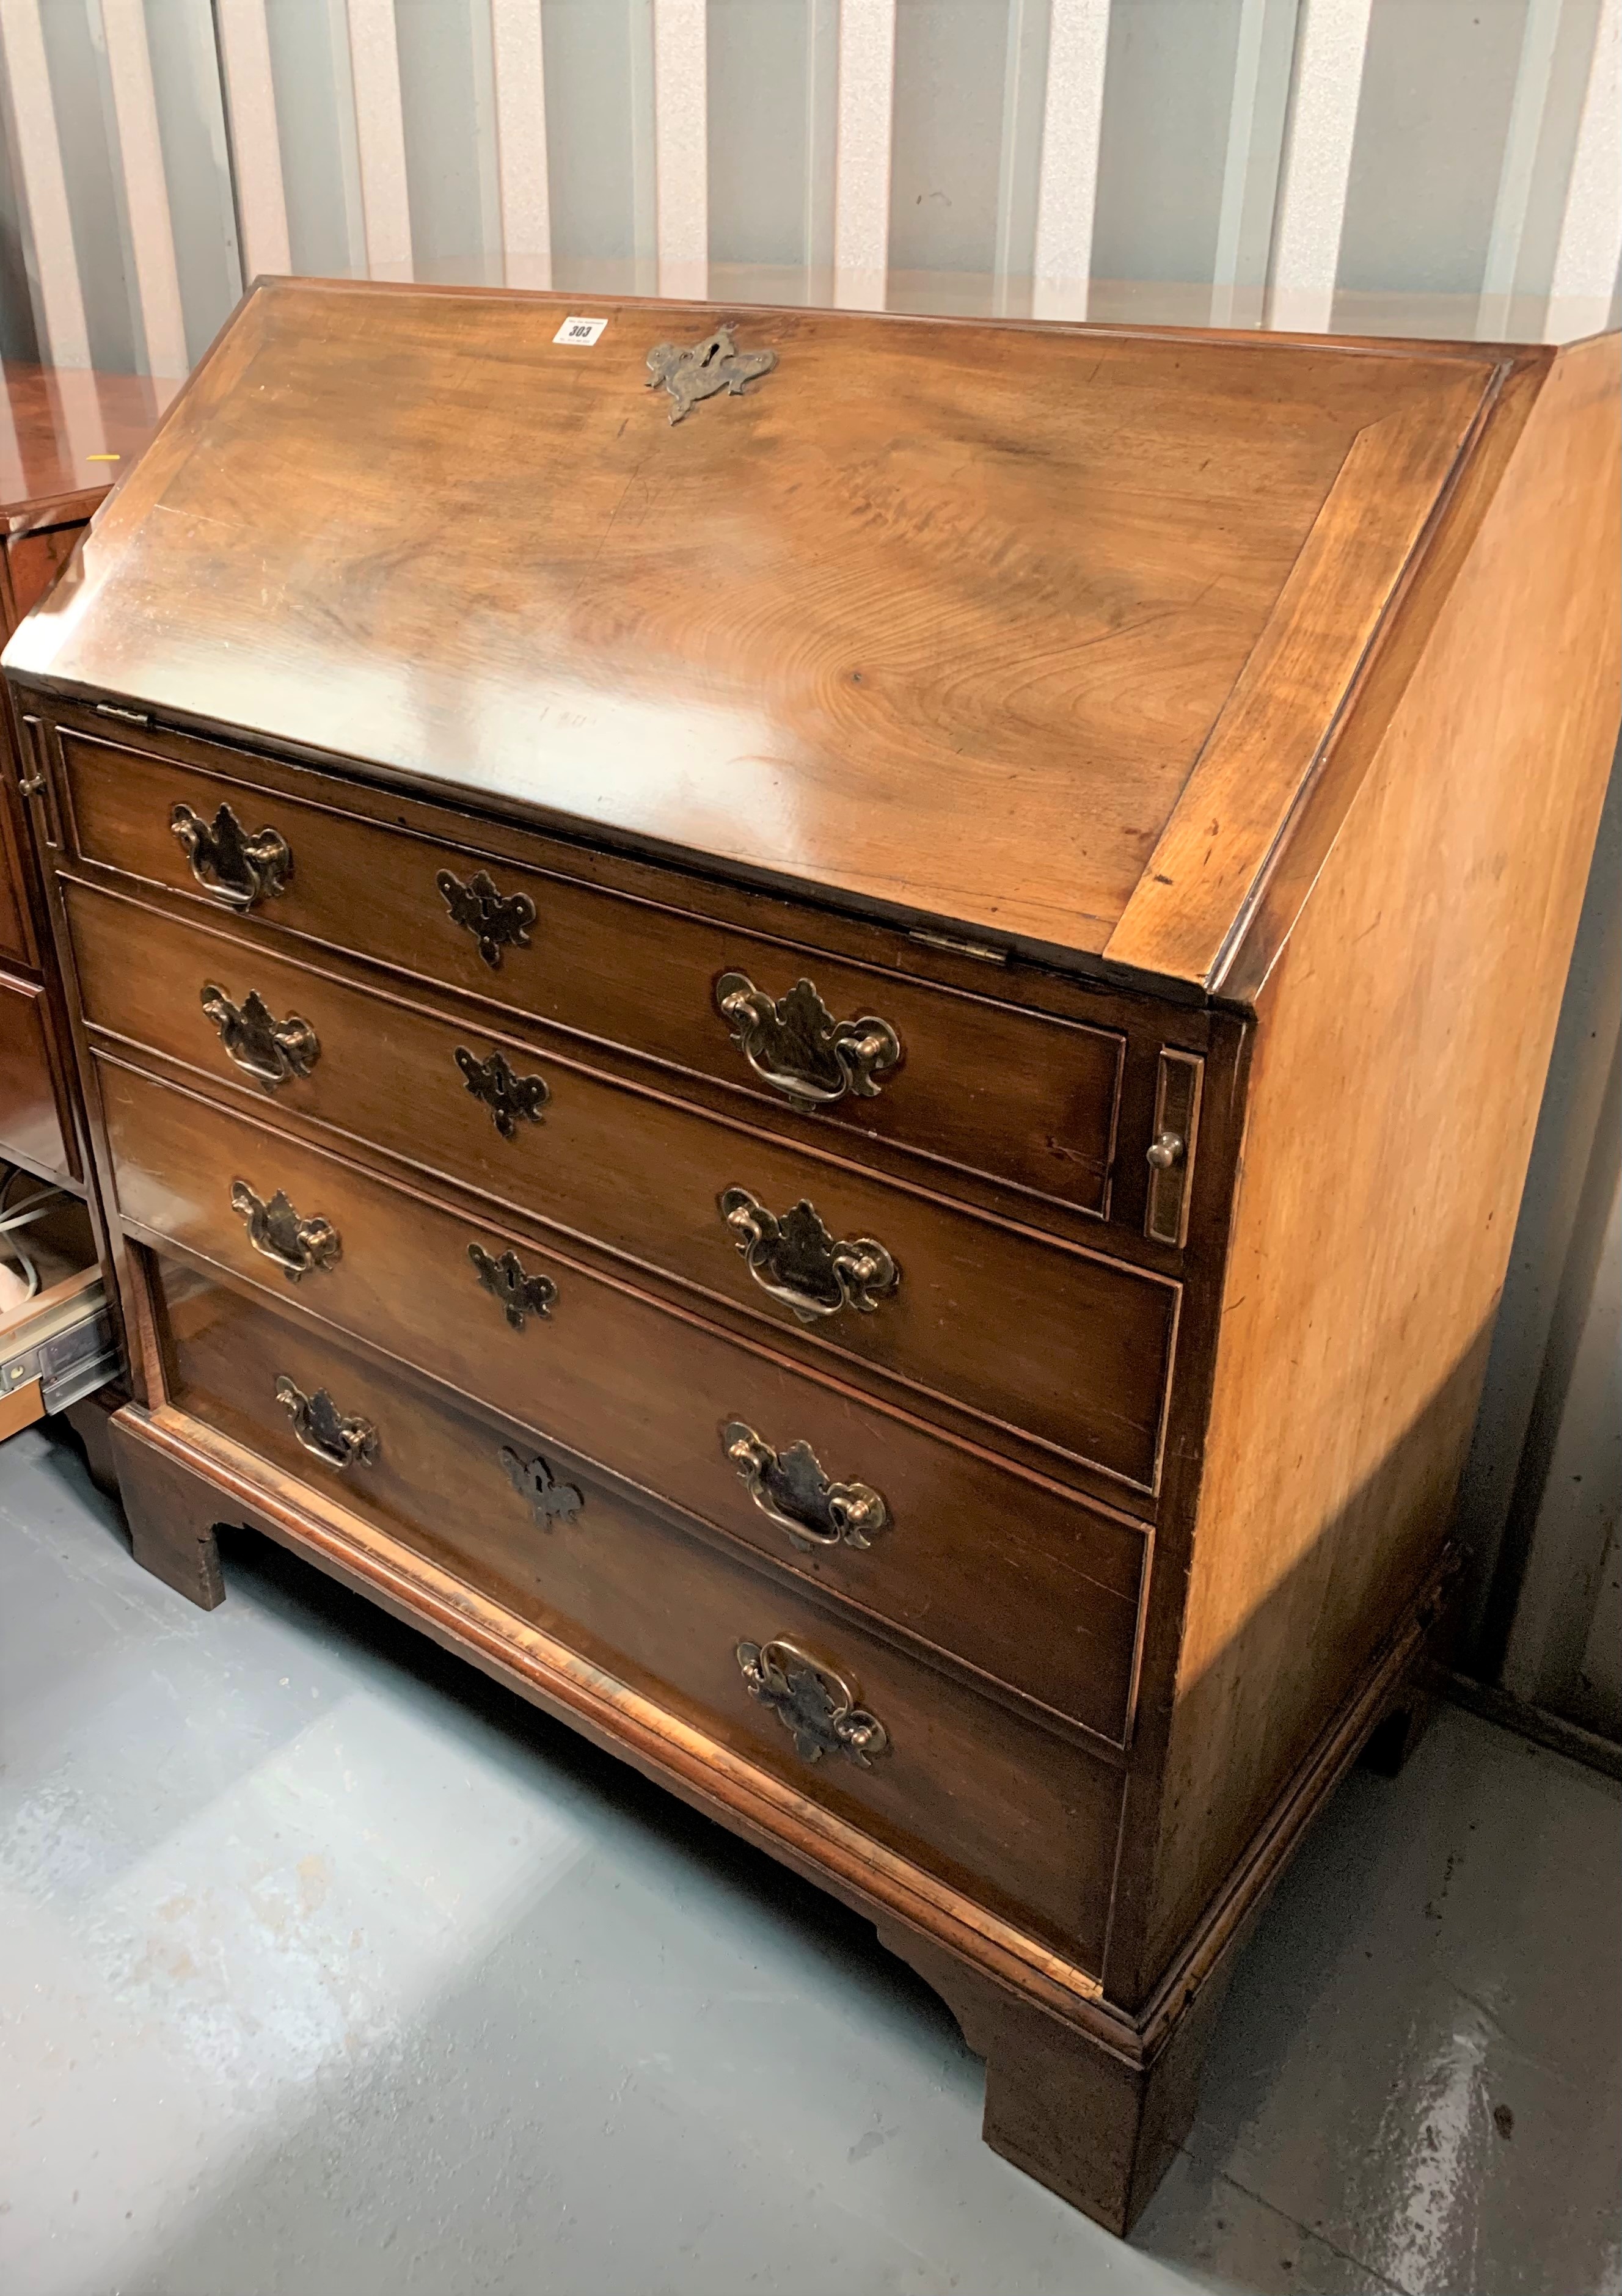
point(949, 623)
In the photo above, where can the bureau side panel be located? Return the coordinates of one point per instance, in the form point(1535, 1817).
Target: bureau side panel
point(1403, 1040)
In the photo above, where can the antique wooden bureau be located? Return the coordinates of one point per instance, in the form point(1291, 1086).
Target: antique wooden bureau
point(821, 1031)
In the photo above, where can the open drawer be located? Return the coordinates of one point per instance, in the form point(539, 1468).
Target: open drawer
point(59, 1345)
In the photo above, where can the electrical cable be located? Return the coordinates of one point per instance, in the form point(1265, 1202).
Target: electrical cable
point(24, 1216)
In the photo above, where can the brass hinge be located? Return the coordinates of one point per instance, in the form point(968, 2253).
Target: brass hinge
point(955, 947)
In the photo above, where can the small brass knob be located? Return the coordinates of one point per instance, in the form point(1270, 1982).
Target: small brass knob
point(1167, 1151)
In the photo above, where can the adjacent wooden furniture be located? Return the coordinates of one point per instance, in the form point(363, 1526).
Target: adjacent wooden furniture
point(826, 1044)
point(64, 437)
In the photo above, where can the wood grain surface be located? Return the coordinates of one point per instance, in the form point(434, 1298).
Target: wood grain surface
point(1395, 1091)
point(34, 1119)
point(979, 1086)
point(939, 616)
point(1087, 1392)
point(73, 433)
point(615, 1378)
point(65, 438)
point(1020, 1584)
point(1069, 698)
point(642, 1177)
point(1207, 869)
point(967, 1787)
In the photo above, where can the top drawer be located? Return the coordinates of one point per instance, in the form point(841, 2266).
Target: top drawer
point(959, 1080)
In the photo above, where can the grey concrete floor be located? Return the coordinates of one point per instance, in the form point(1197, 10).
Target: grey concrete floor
point(328, 1969)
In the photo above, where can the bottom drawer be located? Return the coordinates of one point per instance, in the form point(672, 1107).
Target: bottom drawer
point(1024, 1821)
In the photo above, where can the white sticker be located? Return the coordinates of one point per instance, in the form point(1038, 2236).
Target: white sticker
point(583, 332)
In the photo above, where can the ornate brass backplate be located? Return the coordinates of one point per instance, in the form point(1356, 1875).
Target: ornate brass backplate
point(792, 1490)
point(338, 1437)
point(703, 369)
point(521, 1295)
point(547, 1499)
point(814, 1704)
point(272, 1052)
point(794, 1044)
point(798, 1261)
point(234, 868)
point(273, 1228)
point(497, 920)
point(506, 1095)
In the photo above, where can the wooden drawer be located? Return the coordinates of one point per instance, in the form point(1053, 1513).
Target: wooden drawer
point(33, 1128)
point(34, 561)
point(965, 1786)
point(1024, 1334)
point(977, 1086)
point(1010, 1574)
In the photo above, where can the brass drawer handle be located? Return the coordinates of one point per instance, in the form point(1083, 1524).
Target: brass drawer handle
point(520, 1296)
point(547, 1500)
point(273, 1228)
point(506, 1095)
point(233, 867)
point(798, 1261)
point(272, 1052)
point(338, 1437)
point(791, 1490)
point(814, 1702)
point(794, 1044)
point(497, 920)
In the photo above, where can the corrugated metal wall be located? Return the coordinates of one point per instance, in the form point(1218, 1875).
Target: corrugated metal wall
point(1452, 166)
point(1288, 160)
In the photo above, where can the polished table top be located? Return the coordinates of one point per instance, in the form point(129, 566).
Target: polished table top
point(66, 434)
